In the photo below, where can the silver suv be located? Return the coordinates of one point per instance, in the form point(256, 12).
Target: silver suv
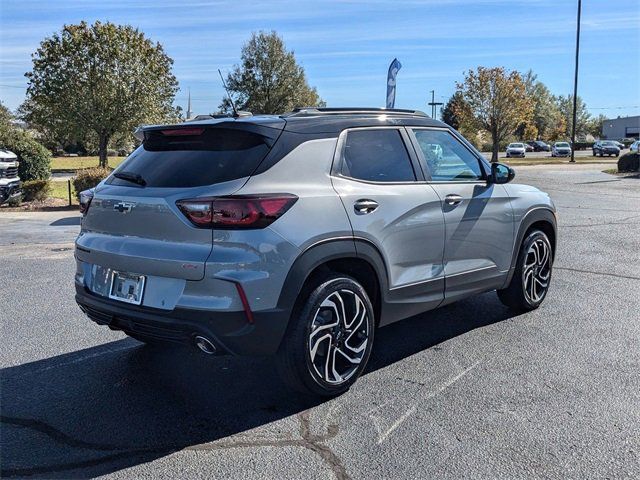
point(299, 235)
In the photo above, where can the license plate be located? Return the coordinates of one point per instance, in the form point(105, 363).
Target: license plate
point(127, 287)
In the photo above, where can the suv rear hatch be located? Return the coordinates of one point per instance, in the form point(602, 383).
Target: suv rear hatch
point(133, 224)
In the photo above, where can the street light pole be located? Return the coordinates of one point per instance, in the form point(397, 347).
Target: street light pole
point(434, 104)
point(575, 88)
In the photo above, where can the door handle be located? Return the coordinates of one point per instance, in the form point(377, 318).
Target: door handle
point(365, 206)
point(452, 199)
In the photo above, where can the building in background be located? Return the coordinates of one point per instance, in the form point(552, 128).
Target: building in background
point(621, 127)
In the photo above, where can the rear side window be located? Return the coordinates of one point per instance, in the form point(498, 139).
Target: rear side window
point(203, 156)
point(377, 156)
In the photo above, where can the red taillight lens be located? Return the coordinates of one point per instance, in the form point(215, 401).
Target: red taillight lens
point(235, 212)
point(85, 200)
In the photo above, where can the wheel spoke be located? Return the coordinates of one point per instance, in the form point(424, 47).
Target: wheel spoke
point(352, 360)
point(337, 378)
point(313, 350)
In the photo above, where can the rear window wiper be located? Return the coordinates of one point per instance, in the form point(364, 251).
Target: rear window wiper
point(131, 177)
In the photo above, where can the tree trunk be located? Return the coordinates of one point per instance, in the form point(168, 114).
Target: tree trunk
point(102, 150)
point(495, 150)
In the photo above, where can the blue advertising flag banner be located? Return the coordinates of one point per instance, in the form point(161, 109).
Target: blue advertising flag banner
point(391, 82)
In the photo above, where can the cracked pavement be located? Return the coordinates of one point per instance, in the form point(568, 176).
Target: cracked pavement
point(470, 390)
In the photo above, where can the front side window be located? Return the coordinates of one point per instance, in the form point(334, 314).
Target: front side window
point(447, 159)
point(376, 155)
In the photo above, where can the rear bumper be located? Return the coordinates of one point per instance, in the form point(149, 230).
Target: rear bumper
point(230, 332)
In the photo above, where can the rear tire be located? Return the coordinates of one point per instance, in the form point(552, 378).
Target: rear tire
point(329, 338)
point(530, 282)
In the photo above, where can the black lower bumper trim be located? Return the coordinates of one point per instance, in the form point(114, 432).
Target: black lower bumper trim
point(228, 331)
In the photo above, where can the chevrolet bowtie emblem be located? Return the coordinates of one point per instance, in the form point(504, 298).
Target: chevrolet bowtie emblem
point(123, 207)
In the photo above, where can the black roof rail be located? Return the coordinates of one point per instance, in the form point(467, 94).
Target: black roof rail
point(312, 111)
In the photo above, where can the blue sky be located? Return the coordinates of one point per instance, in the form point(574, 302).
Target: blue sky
point(347, 45)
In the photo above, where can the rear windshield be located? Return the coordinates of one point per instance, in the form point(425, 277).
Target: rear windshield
point(204, 157)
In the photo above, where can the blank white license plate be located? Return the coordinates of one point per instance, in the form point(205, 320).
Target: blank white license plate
point(127, 287)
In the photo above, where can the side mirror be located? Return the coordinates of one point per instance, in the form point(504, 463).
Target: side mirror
point(501, 173)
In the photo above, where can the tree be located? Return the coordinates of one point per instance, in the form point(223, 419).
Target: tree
point(565, 106)
point(455, 104)
point(498, 103)
point(546, 114)
point(269, 80)
point(103, 79)
point(594, 125)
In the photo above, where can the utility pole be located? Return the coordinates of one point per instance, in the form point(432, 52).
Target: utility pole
point(575, 88)
point(434, 104)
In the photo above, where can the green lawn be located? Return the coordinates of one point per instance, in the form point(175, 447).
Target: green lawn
point(76, 163)
point(60, 190)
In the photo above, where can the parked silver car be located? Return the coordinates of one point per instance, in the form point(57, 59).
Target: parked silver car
point(516, 150)
point(561, 149)
point(300, 235)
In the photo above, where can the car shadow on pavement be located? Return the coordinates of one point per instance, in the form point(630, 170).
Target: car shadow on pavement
point(66, 221)
point(121, 404)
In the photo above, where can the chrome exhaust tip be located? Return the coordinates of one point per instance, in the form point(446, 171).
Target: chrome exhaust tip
point(205, 345)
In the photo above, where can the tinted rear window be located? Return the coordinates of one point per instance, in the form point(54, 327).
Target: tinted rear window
point(179, 161)
point(377, 155)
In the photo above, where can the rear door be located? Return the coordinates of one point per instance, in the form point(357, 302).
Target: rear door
point(135, 226)
point(478, 216)
point(390, 205)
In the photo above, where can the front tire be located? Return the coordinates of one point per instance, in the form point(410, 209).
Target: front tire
point(530, 282)
point(329, 338)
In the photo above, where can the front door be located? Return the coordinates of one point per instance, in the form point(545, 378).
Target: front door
point(389, 204)
point(479, 226)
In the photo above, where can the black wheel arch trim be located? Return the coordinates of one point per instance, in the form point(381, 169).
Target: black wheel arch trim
point(325, 251)
point(539, 214)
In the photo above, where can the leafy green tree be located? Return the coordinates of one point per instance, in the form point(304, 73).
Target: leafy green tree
point(497, 102)
point(449, 115)
point(103, 79)
point(594, 125)
point(34, 159)
point(546, 115)
point(269, 80)
point(565, 106)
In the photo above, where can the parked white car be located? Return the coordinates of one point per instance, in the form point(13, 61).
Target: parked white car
point(516, 150)
point(9, 181)
point(561, 149)
point(634, 146)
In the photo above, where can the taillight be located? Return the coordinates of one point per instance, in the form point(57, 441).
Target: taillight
point(236, 212)
point(85, 200)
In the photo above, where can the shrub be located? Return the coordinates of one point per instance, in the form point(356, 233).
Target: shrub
point(15, 201)
point(35, 160)
point(89, 178)
point(629, 162)
point(583, 145)
point(35, 190)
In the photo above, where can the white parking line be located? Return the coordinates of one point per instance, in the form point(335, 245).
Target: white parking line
point(384, 435)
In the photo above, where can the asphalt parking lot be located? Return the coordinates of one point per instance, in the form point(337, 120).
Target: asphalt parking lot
point(468, 391)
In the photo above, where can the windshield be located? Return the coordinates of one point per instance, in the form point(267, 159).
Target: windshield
point(610, 143)
point(516, 145)
point(562, 144)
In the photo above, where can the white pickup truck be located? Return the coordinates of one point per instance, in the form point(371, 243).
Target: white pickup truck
point(9, 180)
